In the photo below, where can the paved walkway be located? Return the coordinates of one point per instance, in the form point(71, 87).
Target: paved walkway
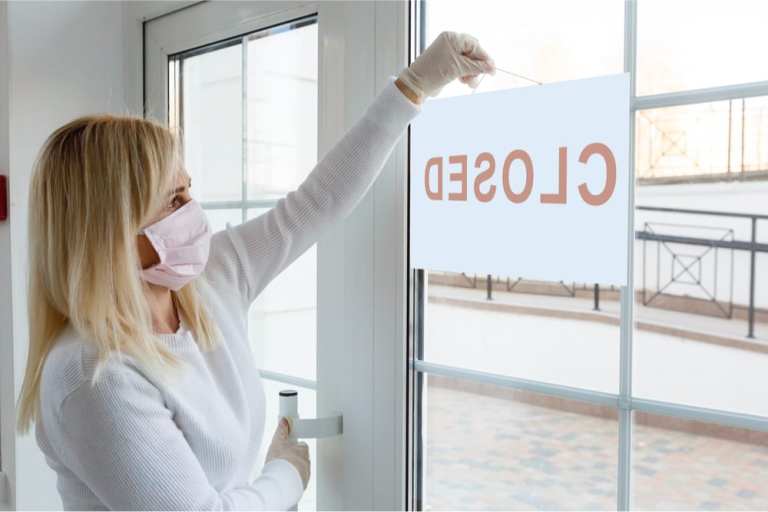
point(735, 327)
point(486, 453)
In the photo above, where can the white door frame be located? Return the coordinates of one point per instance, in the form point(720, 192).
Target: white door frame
point(362, 264)
point(362, 276)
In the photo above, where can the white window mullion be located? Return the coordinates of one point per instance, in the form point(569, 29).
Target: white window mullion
point(244, 78)
point(362, 271)
point(627, 296)
point(290, 380)
point(708, 95)
point(390, 281)
point(344, 267)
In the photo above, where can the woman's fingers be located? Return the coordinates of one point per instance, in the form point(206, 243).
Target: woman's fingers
point(301, 460)
point(284, 428)
point(472, 66)
point(295, 452)
point(470, 48)
point(471, 80)
point(451, 56)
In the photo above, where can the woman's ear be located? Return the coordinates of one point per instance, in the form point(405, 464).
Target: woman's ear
point(147, 254)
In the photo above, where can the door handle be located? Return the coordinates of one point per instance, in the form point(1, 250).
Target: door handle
point(308, 428)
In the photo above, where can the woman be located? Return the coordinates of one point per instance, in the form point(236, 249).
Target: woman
point(140, 378)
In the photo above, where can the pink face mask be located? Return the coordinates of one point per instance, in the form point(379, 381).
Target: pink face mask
point(182, 240)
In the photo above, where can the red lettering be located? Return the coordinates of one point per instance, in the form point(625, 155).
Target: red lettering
point(435, 161)
point(562, 181)
point(518, 154)
point(610, 174)
point(460, 177)
point(484, 176)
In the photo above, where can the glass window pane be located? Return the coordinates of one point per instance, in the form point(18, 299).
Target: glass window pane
point(754, 123)
point(690, 44)
point(282, 322)
point(282, 110)
point(492, 448)
point(689, 465)
point(725, 138)
point(218, 219)
point(690, 343)
point(282, 150)
point(307, 399)
point(212, 118)
point(543, 40)
point(256, 212)
point(545, 331)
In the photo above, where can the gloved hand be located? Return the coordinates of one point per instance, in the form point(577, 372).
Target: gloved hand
point(296, 453)
point(452, 55)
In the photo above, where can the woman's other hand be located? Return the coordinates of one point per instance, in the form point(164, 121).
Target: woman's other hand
point(286, 448)
point(452, 55)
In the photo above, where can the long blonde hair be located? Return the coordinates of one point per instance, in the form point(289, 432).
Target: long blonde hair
point(97, 180)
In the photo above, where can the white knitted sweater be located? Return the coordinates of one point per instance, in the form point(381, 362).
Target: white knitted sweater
point(130, 442)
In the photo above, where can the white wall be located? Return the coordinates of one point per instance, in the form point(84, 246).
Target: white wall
point(58, 60)
point(65, 59)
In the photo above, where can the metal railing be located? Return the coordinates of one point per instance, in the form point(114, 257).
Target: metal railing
point(727, 241)
point(751, 246)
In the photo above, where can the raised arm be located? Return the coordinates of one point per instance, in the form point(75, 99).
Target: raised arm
point(253, 253)
point(121, 441)
point(249, 256)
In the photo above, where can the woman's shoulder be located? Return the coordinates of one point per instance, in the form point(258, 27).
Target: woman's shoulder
point(72, 363)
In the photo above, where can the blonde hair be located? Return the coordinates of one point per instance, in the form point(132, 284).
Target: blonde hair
point(97, 180)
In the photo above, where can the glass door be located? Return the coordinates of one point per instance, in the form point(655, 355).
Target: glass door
point(261, 90)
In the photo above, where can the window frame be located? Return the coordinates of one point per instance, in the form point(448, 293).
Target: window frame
point(624, 402)
point(184, 33)
point(176, 60)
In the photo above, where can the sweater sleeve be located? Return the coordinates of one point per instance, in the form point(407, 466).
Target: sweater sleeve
point(247, 257)
point(121, 441)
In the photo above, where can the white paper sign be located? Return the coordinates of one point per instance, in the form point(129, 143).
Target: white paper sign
point(529, 182)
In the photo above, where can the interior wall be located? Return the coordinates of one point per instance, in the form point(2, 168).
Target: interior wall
point(58, 61)
point(65, 59)
point(6, 377)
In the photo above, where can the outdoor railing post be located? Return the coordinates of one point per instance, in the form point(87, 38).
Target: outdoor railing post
point(489, 286)
point(597, 297)
point(751, 312)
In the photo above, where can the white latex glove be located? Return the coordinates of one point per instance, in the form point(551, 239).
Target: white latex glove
point(452, 55)
point(286, 448)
